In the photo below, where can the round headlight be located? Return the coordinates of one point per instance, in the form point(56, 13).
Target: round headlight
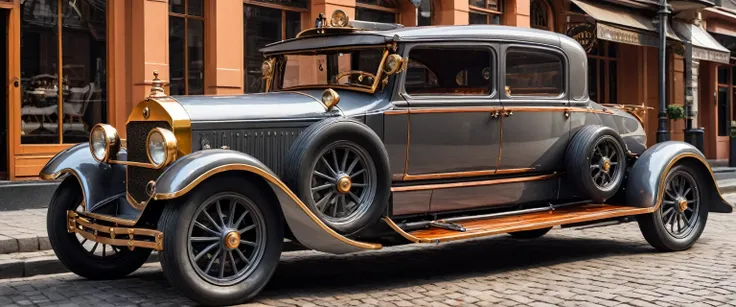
point(161, 147)
point(393, 64)
point(330, 98)
point(266, 68)
point(339, 19)
point(104, 142)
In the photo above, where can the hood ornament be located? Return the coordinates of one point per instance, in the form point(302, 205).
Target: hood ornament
point(157, 86)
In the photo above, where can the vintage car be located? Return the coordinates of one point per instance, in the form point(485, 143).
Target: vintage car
point(369, 135)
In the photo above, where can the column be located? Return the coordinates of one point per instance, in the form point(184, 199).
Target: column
point(149, 46)
point(453, 12)
point(224, 47)
point(516, 13)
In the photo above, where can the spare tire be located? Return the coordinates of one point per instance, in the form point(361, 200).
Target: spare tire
point(339, 168)
point(595, 162)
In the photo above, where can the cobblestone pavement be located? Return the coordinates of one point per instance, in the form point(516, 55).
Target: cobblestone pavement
point(23, 231)
point(604, 266)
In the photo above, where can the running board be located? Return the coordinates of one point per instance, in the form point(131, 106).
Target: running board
point(499, 225)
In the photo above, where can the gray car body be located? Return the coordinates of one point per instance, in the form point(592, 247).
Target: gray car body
point(258, 130)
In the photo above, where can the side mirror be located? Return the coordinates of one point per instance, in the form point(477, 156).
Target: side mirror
point(394, 63)
point(330, 98)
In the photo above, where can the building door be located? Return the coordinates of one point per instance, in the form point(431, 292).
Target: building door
point(4, 93)
point(725, 99)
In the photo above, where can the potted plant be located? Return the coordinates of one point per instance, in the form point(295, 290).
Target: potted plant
point(675, 112)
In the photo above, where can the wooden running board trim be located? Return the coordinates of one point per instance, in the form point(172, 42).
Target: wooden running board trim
point(530, 221)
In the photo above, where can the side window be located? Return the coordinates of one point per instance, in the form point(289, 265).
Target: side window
point(533, 72)
point(449, 71)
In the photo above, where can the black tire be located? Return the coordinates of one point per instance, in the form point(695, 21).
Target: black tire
point(203, 285)
point(73, 253)
point(353, 211)
point(591, 146)
point(530, 234)
point(654, 226)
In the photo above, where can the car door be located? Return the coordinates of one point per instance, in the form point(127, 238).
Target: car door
point(536, 125)
point(453, 112)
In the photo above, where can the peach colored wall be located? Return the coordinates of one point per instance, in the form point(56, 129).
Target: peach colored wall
point(452, 12)
point(516, 13)
point(224, 47)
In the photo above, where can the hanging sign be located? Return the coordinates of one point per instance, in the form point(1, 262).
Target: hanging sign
point(584, 34)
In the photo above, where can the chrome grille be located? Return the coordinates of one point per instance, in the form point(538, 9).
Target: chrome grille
point(138, 177)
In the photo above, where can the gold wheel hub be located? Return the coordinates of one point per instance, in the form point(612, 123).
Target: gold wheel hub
point(232, 240)
point(344, 184)
point(683, 204)
point(606, 165)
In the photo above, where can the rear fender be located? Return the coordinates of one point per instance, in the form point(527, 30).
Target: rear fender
point(645, 185)
point(101, 183)
point(189, 171)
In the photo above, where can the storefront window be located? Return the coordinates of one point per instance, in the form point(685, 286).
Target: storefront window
point(62, 110)
point(485, 11)
point(726, 97)
point(186, 47)
point(262, 26)
point(385, 11)
point(540, 15)
point(602, 72)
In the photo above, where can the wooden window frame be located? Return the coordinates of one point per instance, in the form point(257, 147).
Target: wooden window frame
point(603, 62)
point(488, 12)
point(550, 16)
point(730, 88)
point(395, 11)
point(186, 18)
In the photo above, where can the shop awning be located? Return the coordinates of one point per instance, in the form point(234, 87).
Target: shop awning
point(705, 47)
point(620, 25)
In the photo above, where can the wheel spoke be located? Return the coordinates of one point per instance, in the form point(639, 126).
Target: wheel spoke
point(231, 214)
point(241, 231)
point(205, 228)
point(688, 209)
point(334, 206)
point(219, 213)
point(352, 165)
point(328, 178)
point(594, 166)
point(249, 243)
point(324, 161)
point(669, 220)
point(343, 204)
point(681, 188)
point(204, 239)
point(322, 204)
point(354, 197)
point(667, 213)
point(689, 189)
point(322, 187)
point(223, 257)
point(357, 173)
point(242, 257)
point(344, 160)
point(334, 159)
point(360, 185)
point(666, 192)
point(103, 250)
point(232, 262)
point(94, 248)
point(206, 250)
point(207, 215)
point(685, 219)
point(240, 219)
point(613, 154)
point(209, 265)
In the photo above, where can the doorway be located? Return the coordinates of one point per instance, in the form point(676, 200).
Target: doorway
point(4, 142)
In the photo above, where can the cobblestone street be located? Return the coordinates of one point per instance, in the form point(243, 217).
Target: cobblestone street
point(606, 266)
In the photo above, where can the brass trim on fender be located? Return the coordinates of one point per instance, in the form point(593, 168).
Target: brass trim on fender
point(658, 200)
point(278, 183)
point(131, 163)
point(638, 111)
point(77, 223)
point(436, 186)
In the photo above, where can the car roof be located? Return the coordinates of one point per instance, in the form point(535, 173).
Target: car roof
point(411, 34)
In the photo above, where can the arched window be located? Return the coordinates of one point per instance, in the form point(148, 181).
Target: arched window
point(541, 15)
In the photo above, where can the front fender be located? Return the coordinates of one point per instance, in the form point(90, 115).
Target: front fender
point(189, 171)
point(645, 185)
point(101, 183)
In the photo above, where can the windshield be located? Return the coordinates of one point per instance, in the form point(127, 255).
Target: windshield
point(354, 68)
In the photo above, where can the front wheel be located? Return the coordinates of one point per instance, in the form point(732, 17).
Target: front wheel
point(223, 243)
point(85, 258)
point(680, 219)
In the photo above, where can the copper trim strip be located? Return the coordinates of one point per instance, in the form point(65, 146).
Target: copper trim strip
point(466, 174)
point(472, 183)
point(77, 223)
point(275, 181)
point(424, 110)
point(513, 170)
point(396, 112)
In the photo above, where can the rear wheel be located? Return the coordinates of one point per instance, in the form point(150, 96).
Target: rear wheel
point(680, 219)
point(595, 163)
point(85, 258)
point(222, 244)
point(530, 234)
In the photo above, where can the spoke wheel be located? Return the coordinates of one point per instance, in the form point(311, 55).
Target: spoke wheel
point(96, 249)
point(604, 163)
point(680, 205)
point(343, 182)
point(226, 239)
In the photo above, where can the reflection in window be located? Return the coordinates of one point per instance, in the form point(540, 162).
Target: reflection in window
point(186, 47)
point(485, 12)
point(463, 71)
point(355, 68)
point(533, 73)
point(62, 110)
point(602, 72)
point(384, 11)
point(262, 26)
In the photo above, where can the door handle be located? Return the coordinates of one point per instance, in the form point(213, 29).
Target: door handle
point(16, 82)
point(507, 114)
point(495, 114)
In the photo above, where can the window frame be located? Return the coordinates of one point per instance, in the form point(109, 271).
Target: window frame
point(472, 9)
point(493, 93)
point(730, 87)
point(396, 11)
point(562, 97)
point(603, 62)
point(550, 26)
point(283, 9)
point(186, 16)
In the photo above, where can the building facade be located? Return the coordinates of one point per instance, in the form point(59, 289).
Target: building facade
point(106, 51)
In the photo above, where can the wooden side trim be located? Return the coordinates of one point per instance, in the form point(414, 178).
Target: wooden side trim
point(472, 183)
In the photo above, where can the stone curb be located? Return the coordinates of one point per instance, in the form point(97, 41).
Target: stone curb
point(43, 265)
